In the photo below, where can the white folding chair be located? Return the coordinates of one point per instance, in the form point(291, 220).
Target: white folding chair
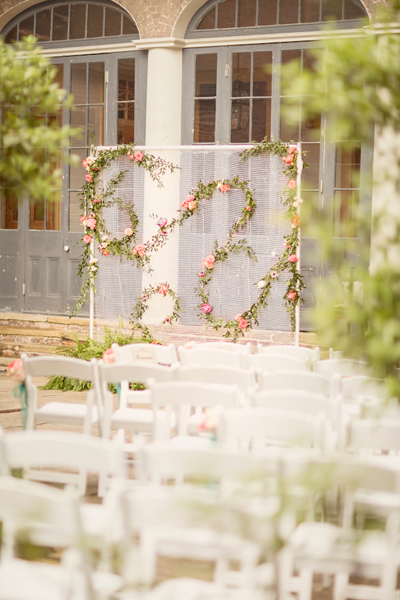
point(301, 352)
point(299, 380)
point(366, 436)
point(345, 367)
point(49, 517)
point(152, 353)
point(61, 451)
point(256, 428)
point(362, 386)
point(277, 362)
point(183, 403)
point(176, 522)
point(68, 413)
point(244, 378)
point(198, 356)
point(230, 346)
point(138, 420)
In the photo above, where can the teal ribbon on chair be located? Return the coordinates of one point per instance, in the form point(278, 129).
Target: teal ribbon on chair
point(118, 390)
point(20, 392)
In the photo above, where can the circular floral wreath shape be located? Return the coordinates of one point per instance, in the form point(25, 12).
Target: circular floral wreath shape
point(286, 261)
point(142, 305)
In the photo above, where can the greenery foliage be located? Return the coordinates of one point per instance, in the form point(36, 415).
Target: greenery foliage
point(30, 144)
point(86, 351)
point(359, 307)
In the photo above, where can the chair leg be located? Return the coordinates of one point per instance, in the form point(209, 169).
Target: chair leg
point(340, 585)
point(306, 579)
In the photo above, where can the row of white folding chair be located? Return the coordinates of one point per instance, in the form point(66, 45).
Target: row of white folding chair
point(49, 517)
point(310, 355)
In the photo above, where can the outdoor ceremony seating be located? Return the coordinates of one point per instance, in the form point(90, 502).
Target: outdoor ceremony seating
point(299, 380)
point(345, 367)
point(230, 346)
point(277, 362)
point(68, 413)
point(300, 352)
point(153, 353)
point(52, 518)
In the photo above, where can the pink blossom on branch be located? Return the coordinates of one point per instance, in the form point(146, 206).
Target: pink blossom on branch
point(206, 308)
point(108, 356)
point(291, 184)
point(243, 324)
point(162, 222)
point(128, 232)
point(87, 239)
point(293, 258)
point(138, 156)
point(291, 295)
point(91, 223)
point(139, 249)
point(16, 370)
point(88, 177)
point(209, 261)
point(163, 289)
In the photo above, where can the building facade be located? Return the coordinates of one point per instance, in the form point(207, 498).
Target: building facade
point(166, 73)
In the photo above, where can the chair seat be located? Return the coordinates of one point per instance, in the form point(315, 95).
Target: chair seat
point(21, 579)
point(65, 412)
point(136, 419)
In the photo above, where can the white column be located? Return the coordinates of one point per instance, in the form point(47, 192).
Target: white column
point(163, 128)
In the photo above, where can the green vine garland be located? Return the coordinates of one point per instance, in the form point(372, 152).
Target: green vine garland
point(192, 205)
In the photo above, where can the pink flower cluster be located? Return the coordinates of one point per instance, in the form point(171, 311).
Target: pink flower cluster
point(16, 370)
point(223, 187)
point(241, 321)
point(289, 158)
point(140, 249)
point(189, 203)
point(162, 222)
point(109, 356)
point(291, 295)
point(128, 232)
point(206, 308)
point(87, 239)
point(163, 288)
point(137, 156)
point(209, 261)
point(293, 258)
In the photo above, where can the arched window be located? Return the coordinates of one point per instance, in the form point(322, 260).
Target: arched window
point(70, 21)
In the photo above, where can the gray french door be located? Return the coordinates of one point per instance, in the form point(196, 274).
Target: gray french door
point(233, 95)
point(39, 241)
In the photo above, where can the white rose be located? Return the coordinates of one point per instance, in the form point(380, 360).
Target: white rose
point(261, 284)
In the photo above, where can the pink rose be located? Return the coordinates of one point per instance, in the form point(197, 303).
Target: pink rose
point(201, 274)
point(83, 218)
point(105, 252)
point(139, 249)
point(248, 208)
point(95, 201)
point(162, 222)
point(238, 318)
point(138, 156)
point(192, 205)
point(16, 370)
point(163, 289)
point(209, 261)
point(88, 177)
point(167, 320)
point(130, 156)
point(185, 204)
point(224, 188)
point(291, 295)
point(128, 231)
point(293, 258)
point(207, 308)
point(87, 239)
point(291, 184)
point(190, 198)
point(109, 356)
point(243, 324)
point(289, 159)
point(293, 150)
point(84, 163)
point(91, 223)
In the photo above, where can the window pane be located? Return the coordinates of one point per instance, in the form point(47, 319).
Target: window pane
point(76, 172)
point(208, 21)
point(261, 120)
point(26, 27)
point(331, 9)
point(113, 22)
point(11, 36)
point(204, 121)
point(43, 20)
point(9, 210)
point(78, 119)
point(77, 21)
point(310, 175)
point(288, 11)
point(262, 74)
point(267, 12)
point(309, 214)
point(95, 21)
point(311, 126)
point(128, 26)
point(74, 213)
point(289, 128)
point(206, 75)
point(96, 83)
point(241, 72)
point(346, 213)
point(126, 79)
point(240, 113)
point(310, 11)
point(78, 83)
point(59, 77)
point(60, 23)
point(53, 213)
point(347, 169)
point(247, 13)
point(226, 14)
point(352, 11)
point(126, 122)
point(95, 125)
point(289, 55)
point(36, 215)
